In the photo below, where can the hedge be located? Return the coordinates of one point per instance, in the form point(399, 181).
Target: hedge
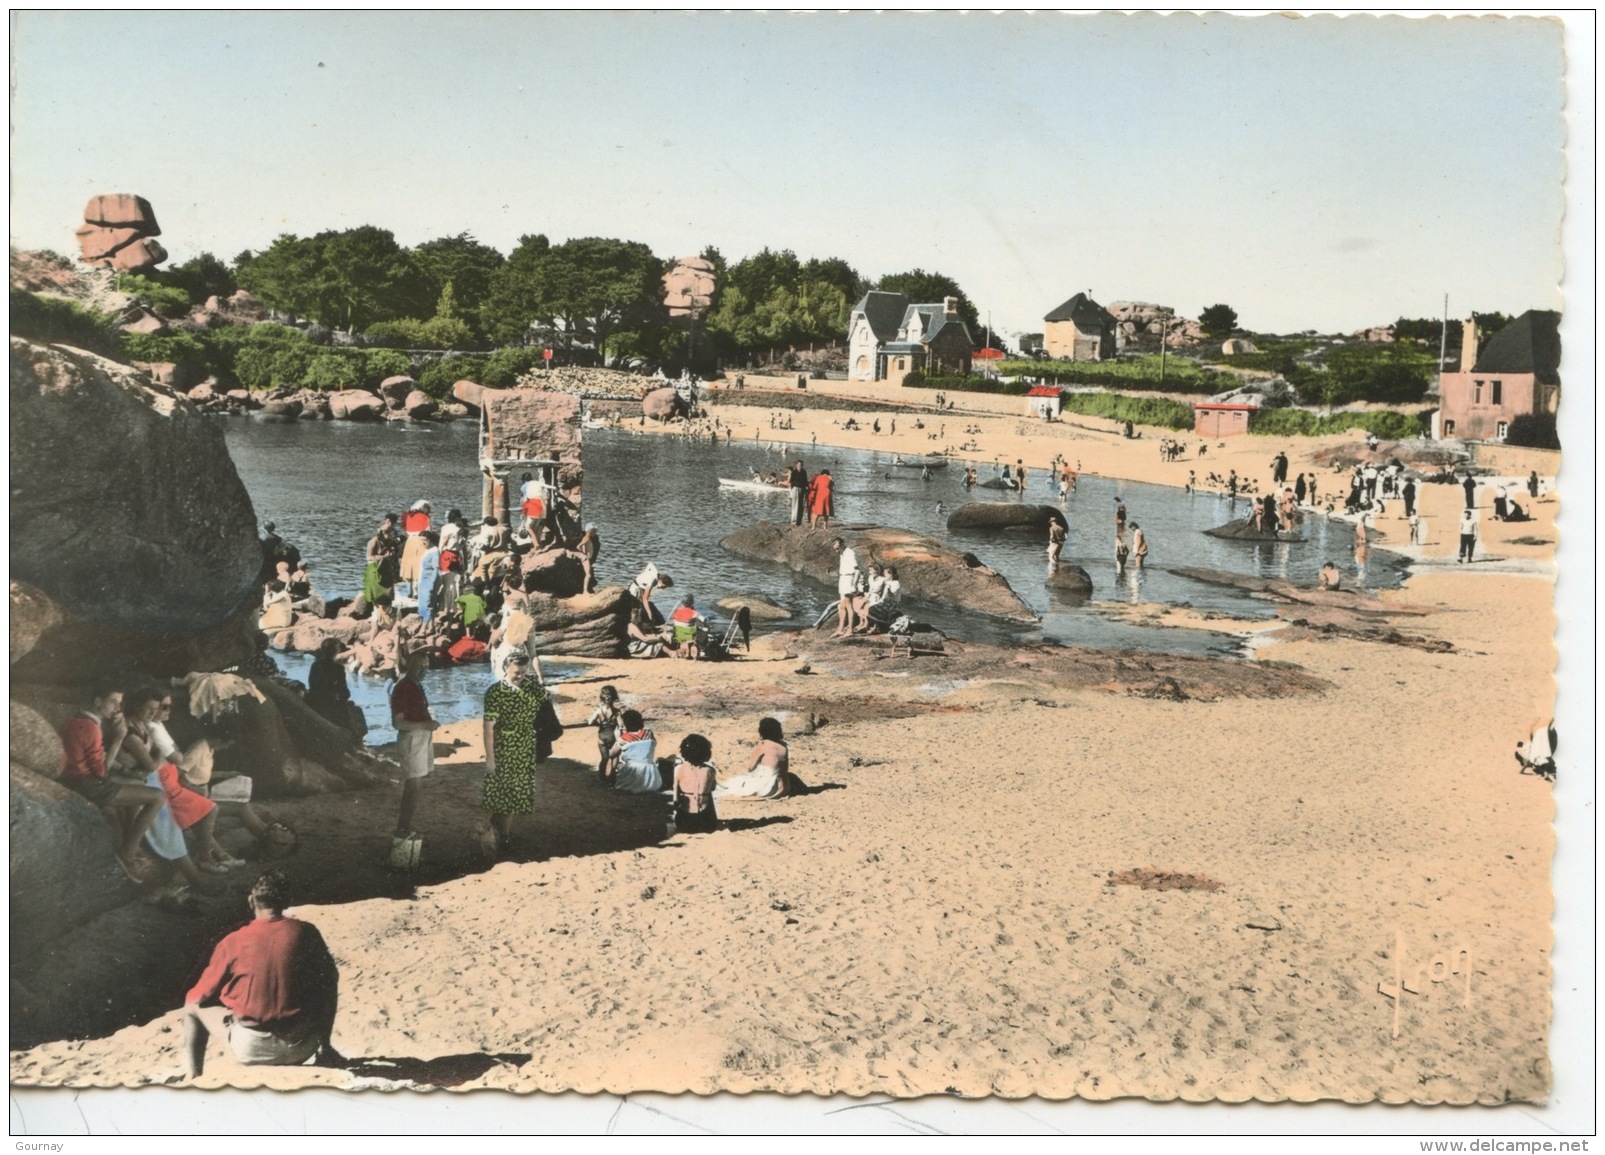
point(1159, 411)
point(1534, 431)
point(1140, 373)
point(1385, 423)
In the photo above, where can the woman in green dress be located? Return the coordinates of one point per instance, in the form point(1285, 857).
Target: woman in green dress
point(512, 706)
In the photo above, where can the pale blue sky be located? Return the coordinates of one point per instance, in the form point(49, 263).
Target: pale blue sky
point(1313, 173)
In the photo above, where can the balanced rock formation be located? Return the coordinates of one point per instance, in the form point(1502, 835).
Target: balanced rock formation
point(139, 487)
point(118, 233)
point(688, 287)
point(1006, 515)
point(926, 568)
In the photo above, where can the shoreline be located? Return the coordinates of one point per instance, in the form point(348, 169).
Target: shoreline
point(944, 912)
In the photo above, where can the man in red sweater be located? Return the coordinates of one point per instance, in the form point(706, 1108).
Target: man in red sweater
point(85, 758)
point(272, 988)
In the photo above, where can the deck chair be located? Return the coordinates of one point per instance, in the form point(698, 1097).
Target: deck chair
point(740, 628)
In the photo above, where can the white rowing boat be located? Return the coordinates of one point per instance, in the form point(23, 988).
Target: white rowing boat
point(750, 486)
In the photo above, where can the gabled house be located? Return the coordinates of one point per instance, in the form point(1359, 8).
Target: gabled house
point(930, 337)
point(874, 321)
point(1517, 373)
point(1079, 330)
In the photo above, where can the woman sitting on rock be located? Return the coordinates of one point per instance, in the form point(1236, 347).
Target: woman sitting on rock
point(633, 759)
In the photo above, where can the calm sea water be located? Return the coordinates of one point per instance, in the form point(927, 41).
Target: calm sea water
point(658, 499)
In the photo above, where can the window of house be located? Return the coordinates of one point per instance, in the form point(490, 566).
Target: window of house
point(1501, 430)
point(1476, 394)
point(1497, 393)
point(1448, 428)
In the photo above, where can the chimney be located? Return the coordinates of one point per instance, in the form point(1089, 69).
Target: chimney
point(1468, 344)
point(950, 306)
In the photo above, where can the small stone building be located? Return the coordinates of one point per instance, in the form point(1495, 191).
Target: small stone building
point(1079, 330)
point(1046, 401)
point(1220, 419)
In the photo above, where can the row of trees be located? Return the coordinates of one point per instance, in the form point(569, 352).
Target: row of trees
point(592, 297)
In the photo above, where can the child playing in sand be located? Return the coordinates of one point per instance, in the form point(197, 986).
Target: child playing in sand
point(606, 720)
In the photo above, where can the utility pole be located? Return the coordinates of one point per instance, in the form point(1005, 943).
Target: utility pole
point(1164, 330)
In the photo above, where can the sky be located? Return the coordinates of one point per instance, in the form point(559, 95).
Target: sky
point(1313, 173)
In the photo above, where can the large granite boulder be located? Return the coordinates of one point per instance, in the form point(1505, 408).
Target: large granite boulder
point(535, 423)
point(419, 406)
point(33, 615)
point(1242, 529)
point(588, 626)
point(471, 393)
point(138, 486)
point(355, 405)
point(396, 388)
point(995, 515)
point(122, 210)
point(559, 573)
point(926, 568)
point(663, 405)
point(141, 256)
point(1070, 580)
point(35, 744)
point(64, 868)
point(761, 607)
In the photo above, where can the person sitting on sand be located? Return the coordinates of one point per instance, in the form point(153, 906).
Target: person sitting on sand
point(767, 775)
point(1516, 512)
point(644, 638)
point(271, 988)
point(92, 738)
point(694, 779)
point(1330, 578)
point(632, 760)
point(684, 622)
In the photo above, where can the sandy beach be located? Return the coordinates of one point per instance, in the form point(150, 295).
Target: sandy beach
point(1324, 881)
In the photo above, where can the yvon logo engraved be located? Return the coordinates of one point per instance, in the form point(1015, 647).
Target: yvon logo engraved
point(1444, 978)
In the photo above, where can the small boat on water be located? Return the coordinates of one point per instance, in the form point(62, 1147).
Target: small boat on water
point(594, 423)
point(747, 485)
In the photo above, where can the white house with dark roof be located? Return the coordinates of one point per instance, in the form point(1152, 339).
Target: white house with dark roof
point(889, 338)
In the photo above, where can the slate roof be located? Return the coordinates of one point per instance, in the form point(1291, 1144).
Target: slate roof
point(1084, 311)
point(1529, 344)
point(934, 318)
point(883, 311)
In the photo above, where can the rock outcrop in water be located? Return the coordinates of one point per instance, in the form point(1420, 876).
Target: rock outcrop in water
point(1242, 529)
point(989, 515)
point(927, 568)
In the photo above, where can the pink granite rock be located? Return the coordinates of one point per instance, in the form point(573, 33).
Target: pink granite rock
point(138, 257)
point(96, 242)
point(122, 210)
point(146, 322)
point(419, 405)
point(397, 387)
point(355, 405)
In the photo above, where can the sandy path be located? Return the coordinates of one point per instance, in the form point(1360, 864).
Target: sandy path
point(946, 921)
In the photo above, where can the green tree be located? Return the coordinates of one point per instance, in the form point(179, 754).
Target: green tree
point(348, 279)
point(929, 288)
point(201, 277)
point(514, 304)
point(590, 287)
point(1218, 321)
point(464, 263)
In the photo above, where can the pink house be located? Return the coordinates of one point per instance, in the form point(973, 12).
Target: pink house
point(1517, 373)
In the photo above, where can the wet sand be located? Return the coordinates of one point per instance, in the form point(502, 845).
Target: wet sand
point(1005, 881)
